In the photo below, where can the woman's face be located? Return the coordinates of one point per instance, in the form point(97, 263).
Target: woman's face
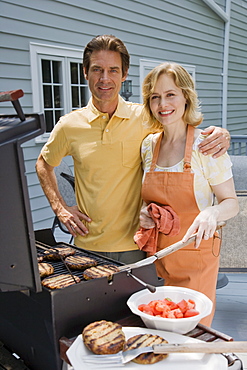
point(167, 102)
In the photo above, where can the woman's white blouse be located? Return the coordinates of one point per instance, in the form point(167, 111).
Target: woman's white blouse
point(208, 171)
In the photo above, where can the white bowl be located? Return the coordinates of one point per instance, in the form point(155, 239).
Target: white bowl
point(184, 325)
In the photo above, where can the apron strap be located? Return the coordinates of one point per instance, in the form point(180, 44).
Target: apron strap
point(188, 149)
point(156, 151)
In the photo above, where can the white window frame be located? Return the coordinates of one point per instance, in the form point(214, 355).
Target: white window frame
point(65, 55)
point(146, 65)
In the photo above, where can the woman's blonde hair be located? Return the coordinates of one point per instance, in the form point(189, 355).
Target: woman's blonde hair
point(184, 81)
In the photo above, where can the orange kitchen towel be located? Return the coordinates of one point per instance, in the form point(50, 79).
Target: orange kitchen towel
point(166, 221)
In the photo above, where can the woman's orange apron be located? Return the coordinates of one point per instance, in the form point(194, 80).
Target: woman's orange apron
point(189, 267)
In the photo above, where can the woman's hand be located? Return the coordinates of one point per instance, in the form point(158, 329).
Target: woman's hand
point(217, 142)
point(204, 225)
point(146, 220)
point(206, 222)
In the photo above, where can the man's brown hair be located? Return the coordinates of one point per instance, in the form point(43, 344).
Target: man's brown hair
point(106, 42)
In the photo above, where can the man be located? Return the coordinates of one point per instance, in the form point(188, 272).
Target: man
point(104, 139)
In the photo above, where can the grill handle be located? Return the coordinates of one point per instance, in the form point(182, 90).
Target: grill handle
point(150, 287)
point(13, 96)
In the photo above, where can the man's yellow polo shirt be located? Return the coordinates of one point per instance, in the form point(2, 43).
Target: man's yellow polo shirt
point(108, 171)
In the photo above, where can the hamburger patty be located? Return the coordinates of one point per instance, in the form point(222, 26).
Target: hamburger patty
point(146, 340)
point(60, 281)
point(103, 337)
point(45, 269)
point(80, 262)
point(58, 252)
point(99, 271)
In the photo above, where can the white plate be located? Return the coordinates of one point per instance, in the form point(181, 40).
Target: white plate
point(175, 361)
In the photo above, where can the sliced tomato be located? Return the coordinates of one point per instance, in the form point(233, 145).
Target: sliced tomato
point(153, 305)
point(171, 315)
point(167, 308)
point(178, 313)
point(191, 303)
point(172, 305)
point(183, 305)
point(191, 312)
point(161, 306)
point(141, 306)
point(146, 309)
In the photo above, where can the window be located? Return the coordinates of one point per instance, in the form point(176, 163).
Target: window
point(58, 83)
point(146, 65)
point(78, 86)
point(52, 86)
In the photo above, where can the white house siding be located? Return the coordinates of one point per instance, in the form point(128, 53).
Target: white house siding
point(237, 80)
point(187, 32)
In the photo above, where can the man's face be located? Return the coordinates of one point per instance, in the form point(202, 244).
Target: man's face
point(105, 77)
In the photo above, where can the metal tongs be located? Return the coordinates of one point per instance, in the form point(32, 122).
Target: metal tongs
point(164, 252)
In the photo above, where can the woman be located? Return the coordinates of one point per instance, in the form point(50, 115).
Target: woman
point(178, 176)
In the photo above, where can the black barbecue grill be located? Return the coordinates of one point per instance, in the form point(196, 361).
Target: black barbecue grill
point(34, 318)
point(33, 322)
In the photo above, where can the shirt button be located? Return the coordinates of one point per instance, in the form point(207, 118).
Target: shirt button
point(107, 130)
point(104, 117)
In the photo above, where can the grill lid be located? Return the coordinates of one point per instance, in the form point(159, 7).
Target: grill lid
point(18, 254)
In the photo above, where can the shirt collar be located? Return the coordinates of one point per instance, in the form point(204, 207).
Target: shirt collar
point(122, 110)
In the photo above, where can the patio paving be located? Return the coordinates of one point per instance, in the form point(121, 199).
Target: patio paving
point(234, 238)
point(231, 309)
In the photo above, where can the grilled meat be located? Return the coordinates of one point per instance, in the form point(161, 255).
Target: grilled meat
point(58, 252)
point(80, 262)
point(45, 269)
point(103, 337)
point(60, 281)
point(146, 340)
point(99, 271)
point(40, 258)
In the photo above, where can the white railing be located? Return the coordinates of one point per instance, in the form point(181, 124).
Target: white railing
point(238, 145)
